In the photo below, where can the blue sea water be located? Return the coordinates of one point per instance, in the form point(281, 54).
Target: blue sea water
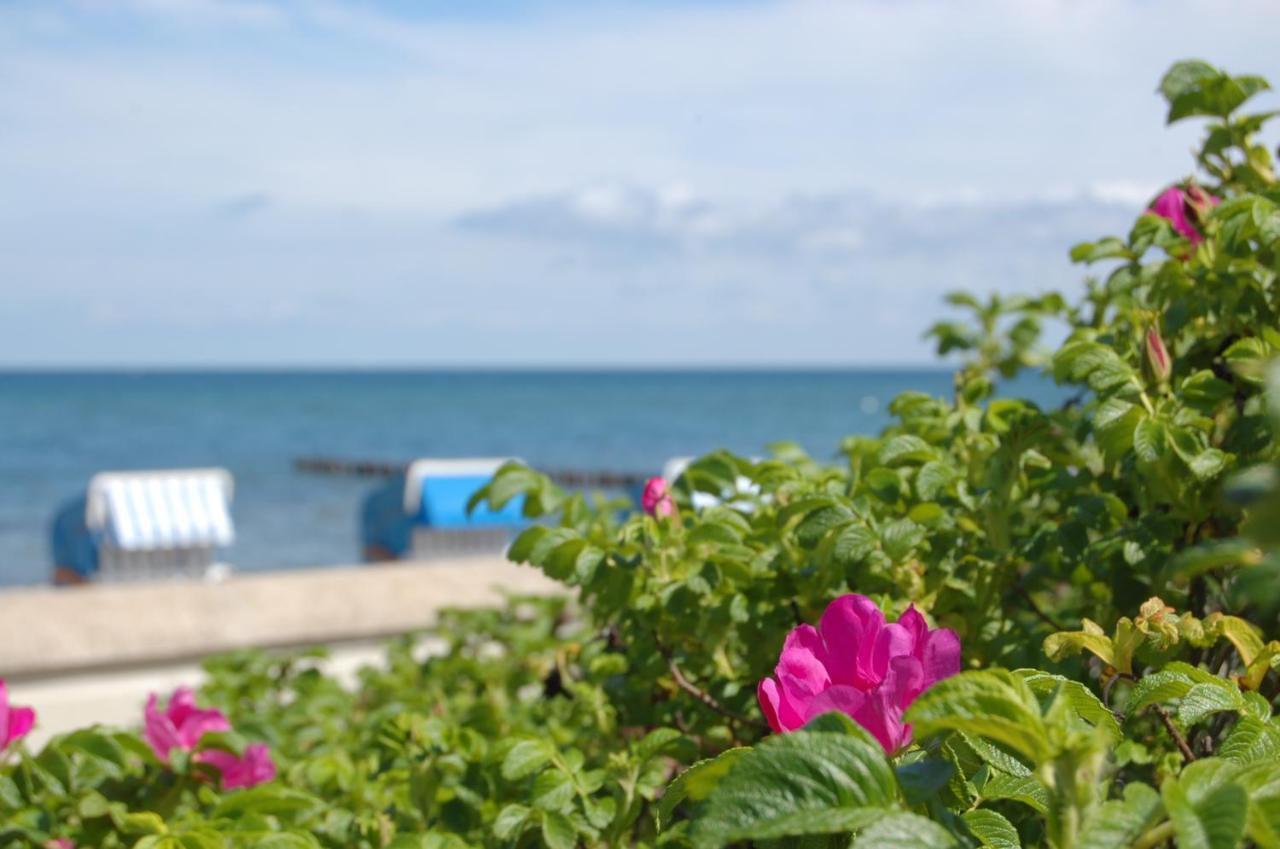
point(58, 429)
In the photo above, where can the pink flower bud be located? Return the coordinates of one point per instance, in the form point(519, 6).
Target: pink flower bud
point(656, 499)
point(1178, 206)
point(855, 663)
point(15, 722)
point(1158, 355)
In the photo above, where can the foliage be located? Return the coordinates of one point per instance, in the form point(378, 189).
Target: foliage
point(1111, 565)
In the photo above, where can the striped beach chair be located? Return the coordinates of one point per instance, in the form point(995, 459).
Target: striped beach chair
point(145, 525)
point(422, 515)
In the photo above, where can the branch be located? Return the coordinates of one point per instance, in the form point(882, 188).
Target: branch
point(1183, 747)
point(706, 698)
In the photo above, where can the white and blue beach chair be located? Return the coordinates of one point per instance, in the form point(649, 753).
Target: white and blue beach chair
point(145, 525)
point(422, 515)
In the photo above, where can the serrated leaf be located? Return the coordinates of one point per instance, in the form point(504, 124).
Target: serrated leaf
point(510, 821)
point(993, 703)
point(1251, 740)
point(557, 831)
point(1117, 823)
point(805, 782)
point(1018, 788)
point(906, 448)
point(1204, 699)
point(991, 829)
point(696, 783)
point(1216, 822)
point(1086, 705)
point(904, 831)
point(525, 758)
point(552, 790)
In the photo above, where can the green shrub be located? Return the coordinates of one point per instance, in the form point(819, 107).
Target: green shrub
point(1110, 566)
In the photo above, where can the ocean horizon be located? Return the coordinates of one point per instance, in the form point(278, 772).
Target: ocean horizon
point(64, 425)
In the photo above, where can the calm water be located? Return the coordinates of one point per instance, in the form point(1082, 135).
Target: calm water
point(56, 430)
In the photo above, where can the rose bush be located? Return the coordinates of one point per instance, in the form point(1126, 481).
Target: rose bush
point(1109, 565)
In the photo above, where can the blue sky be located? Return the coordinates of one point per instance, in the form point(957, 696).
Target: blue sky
point(196, 182)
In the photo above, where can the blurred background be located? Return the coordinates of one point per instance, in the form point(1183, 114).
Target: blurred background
point(595, 236)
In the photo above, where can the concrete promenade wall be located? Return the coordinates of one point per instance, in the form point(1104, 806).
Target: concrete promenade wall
point(47, 631)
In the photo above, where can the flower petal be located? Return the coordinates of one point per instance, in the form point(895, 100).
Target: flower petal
point(850, 626)
point(941, 656)
point(770, 699)
point(21, 721)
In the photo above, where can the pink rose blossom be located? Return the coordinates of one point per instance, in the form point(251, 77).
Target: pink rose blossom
point(181, 725)
point(1178, 205)
point(656, 499)
point(254, 767)
point(856, 664)
point(61, 843)
point(15, 722)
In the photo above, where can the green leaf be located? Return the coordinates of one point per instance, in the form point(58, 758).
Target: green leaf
point(805, 782)
point(1204, 699)
point(1025, 789)
point(906, 448)
point(1193, 88)
point(552, 790)
point(991, 829)
point(510, 821)
point(1149, 440)
point(1248, 359)
point(266, 799)
point(1114, 423)
point(933, 479)
point(1171, 682)
point(696, 783)
point(1205, 391)
point(904, 831)
point(993, 703)
point(1086, 705)
point(525, 758)
point(1117, 823)
point(1216, 822)
point(900, 538)
point(557, 831)
point(1251, 740)
point(922, 779)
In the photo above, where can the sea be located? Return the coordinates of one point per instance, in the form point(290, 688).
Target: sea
point(58, 429)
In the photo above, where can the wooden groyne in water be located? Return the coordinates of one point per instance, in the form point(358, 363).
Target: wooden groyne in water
point(386, 469)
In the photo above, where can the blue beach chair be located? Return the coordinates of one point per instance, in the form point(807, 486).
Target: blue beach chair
point(422, 515)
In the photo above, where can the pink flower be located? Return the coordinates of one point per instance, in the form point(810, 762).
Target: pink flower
point(181, 725)
point(61, 843)
point(254, 767)
point(856, 664)
point(656, 499)
point(15, 722)
point(1177, 206)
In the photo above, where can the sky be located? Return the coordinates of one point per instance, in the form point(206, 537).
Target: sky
point(585, 184)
